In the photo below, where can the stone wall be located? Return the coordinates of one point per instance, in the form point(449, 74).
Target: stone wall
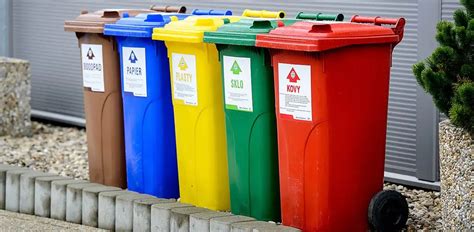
point(456, 151)
point(15, 110)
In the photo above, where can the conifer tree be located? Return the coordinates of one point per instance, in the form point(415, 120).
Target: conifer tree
point(448, 74)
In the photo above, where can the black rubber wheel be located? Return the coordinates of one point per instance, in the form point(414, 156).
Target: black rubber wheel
point(388, 211)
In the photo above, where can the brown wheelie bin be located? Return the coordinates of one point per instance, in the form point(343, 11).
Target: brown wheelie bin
point(102, 93)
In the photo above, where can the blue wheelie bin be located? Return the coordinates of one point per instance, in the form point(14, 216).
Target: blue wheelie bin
point(150, 148)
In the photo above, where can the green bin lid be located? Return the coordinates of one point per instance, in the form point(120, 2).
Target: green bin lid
point(245, 31)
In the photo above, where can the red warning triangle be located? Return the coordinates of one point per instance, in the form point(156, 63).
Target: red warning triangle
point(293, 76)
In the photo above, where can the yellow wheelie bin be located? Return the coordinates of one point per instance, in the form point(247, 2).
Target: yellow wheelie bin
point(196, 85)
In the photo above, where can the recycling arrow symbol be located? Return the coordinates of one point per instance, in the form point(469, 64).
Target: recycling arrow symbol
point(133, 58)
point(235, 68)
point(182, 64)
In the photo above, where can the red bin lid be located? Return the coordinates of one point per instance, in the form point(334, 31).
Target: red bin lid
point(314, 36)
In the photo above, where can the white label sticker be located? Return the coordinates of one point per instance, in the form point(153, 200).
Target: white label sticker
point(134, 71)
point(184, 78)
point(237, 83)
point(92, 67)
point(295, 91)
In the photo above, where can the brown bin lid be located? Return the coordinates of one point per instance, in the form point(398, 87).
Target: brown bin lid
point(94, 22)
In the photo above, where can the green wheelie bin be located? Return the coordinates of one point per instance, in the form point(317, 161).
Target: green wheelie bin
point(250, 114)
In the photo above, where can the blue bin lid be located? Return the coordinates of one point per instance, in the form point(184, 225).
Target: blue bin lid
point(141, 25)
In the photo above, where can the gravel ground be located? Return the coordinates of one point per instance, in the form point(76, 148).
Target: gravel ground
point(52, 147)
point(11, 221)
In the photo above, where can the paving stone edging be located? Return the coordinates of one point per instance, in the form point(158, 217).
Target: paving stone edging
point(47, 195)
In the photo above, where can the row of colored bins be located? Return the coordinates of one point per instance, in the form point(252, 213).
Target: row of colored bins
point(317, 83)
point(199, 119)
point(147, 121)
point(247, 80)
point(148, 111)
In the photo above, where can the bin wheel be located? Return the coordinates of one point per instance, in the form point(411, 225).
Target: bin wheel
point(388, 211)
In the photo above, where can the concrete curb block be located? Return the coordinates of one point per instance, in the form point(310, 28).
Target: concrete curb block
point(27, 191)
point(3, 182)
point(74, 201)
point(12, 195)
point(142, 212)
point(251, 225)
point(161, 215)
point(106, 214)
point(179, 220)
point(58, 198)
point(222, 224)
point(43, 194)
point(91, 204)
point(201, 221)
point(279, 228)
point(124, 210)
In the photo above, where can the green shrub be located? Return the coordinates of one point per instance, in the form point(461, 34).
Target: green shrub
point(448, 74)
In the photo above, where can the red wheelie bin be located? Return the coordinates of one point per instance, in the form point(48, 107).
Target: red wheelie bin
point(331, 96)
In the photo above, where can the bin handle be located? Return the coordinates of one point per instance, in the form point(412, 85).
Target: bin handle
point(111, 14)
point(204, 22)
point(171, 9)
point(320, 28)
point(263, 14)
point(399, 23)
point(258, 24)
point(320, 16)
point(174, 18)
point(211, 12)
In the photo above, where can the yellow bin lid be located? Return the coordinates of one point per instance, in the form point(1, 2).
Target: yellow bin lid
point(191, 29)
